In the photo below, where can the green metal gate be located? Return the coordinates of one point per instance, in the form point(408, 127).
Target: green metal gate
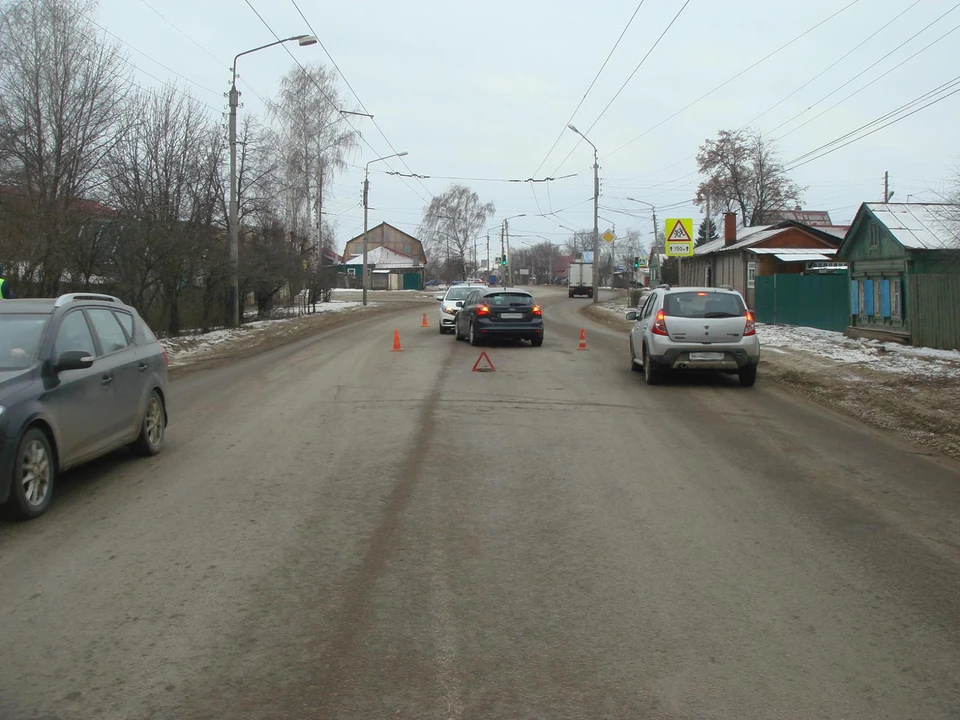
point(818, 301)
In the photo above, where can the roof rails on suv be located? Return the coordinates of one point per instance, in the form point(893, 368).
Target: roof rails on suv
point(77, 297)
point(663, 286)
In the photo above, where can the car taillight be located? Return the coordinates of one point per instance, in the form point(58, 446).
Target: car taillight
point(537, 310)
point(659, 325)
point(751, 327)
point(166, 359)
point(483, 310)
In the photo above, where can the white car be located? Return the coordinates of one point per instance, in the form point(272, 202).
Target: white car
point(451, 302)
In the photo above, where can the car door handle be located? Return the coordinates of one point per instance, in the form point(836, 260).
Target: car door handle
point(143, 367)
point(106, 379)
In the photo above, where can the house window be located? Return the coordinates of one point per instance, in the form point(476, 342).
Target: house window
point(751, 274)
point(895, 308)
point(874, 236)
point(408, 249)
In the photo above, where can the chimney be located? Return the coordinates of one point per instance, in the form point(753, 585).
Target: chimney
point(729, 229)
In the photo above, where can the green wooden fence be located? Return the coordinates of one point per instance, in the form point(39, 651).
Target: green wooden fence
point(934, 311)
point(819, 301)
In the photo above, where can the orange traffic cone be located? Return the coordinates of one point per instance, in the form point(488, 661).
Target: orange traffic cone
point(396, 342)
point(583, 340)
point(424, 323)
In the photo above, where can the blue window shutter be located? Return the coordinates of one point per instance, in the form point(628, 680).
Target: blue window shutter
point(868, 297)
point(854, 297)
point(885, 298)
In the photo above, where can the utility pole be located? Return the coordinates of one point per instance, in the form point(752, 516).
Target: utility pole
point(503, 254)
point(709, 225)
point(506, 232)
point(596, 229)
point(488, 255)
point(366, 196)
point(233, 292)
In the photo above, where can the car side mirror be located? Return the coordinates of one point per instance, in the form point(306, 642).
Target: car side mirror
point(74, 360)
point(439, 298)
point(459, 303)
point(633, 315)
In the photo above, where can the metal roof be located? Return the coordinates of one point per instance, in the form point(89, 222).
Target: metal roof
point(921, 226)
point(792, 251)
point(801, 257)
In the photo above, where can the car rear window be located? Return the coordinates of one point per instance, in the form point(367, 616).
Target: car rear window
point(702, 304)
point(459, 292)
point(20, 337)
point(500, 299)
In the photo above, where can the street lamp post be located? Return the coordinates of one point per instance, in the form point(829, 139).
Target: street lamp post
point(596, 212)
point(233, 230)
point(366, 193)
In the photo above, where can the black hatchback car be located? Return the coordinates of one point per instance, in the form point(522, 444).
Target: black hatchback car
point(80, 376)
point(506, 313)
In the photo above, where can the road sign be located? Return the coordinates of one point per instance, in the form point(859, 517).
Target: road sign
point(643, 262)
point(608, 237)
point(679, 237)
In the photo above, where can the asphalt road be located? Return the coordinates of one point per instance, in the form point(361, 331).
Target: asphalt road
point(336, 530)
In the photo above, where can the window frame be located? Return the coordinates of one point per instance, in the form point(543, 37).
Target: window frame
point(100, 341)
point(57, 352)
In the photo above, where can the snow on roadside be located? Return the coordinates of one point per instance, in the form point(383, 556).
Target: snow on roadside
point(853, 353)
point(189, 348)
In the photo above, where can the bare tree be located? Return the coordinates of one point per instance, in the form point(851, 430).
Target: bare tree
point(744, 174)
point(579, 242)
point(452, 221)
point(161, 178)
point(63, 90)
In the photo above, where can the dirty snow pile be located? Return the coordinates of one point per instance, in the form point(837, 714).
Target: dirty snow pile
point(186, 348)
point(854, 353)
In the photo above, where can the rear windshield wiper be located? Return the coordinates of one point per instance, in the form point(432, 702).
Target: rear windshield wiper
point(721, 315)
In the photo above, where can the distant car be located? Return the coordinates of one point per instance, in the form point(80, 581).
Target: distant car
point(694, 329)
point(80, 376)
point(506, 313)
point(450, 303)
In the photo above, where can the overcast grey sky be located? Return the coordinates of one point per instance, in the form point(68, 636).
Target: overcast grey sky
point(482, 90)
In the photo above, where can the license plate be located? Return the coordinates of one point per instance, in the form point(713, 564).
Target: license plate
point(511, 316)
point(706, 356)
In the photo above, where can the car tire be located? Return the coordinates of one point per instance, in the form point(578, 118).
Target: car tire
point(537, 341)
point(569, 293)
point(152, 428)
point(748, 375)
point(633, 358)
point(472, 335)
point(443, 330)
point(652, 372)
point(456, 331)
point(34, 474)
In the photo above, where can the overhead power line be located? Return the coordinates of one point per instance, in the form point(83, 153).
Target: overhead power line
point(592, 83)
point(876, 79)
point(738, 75)
point(478, 179)
point(625, 82)
point(359, 101)
point(944, 91)
point(324, 93)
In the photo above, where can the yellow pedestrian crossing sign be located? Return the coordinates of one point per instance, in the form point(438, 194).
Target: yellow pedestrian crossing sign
point(679, 237)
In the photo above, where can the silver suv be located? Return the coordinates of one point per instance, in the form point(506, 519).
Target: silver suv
point(694, 329)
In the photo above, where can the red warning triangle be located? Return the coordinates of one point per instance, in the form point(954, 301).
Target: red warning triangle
point(679, 233)
point(484, 358)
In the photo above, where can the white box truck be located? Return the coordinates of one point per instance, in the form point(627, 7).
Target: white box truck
point(580, 279)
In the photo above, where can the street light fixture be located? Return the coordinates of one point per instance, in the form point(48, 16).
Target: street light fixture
point(596, 212)
point(233, 230)
point(366, 192)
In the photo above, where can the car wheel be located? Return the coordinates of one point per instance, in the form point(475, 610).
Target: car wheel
point(456, 331)
point(34, 473)
point(651, 370)
point(443, 330)
point(471, 333)
point(633, 358)
point(537, 341)
point(153, 428)
point(748, 375)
